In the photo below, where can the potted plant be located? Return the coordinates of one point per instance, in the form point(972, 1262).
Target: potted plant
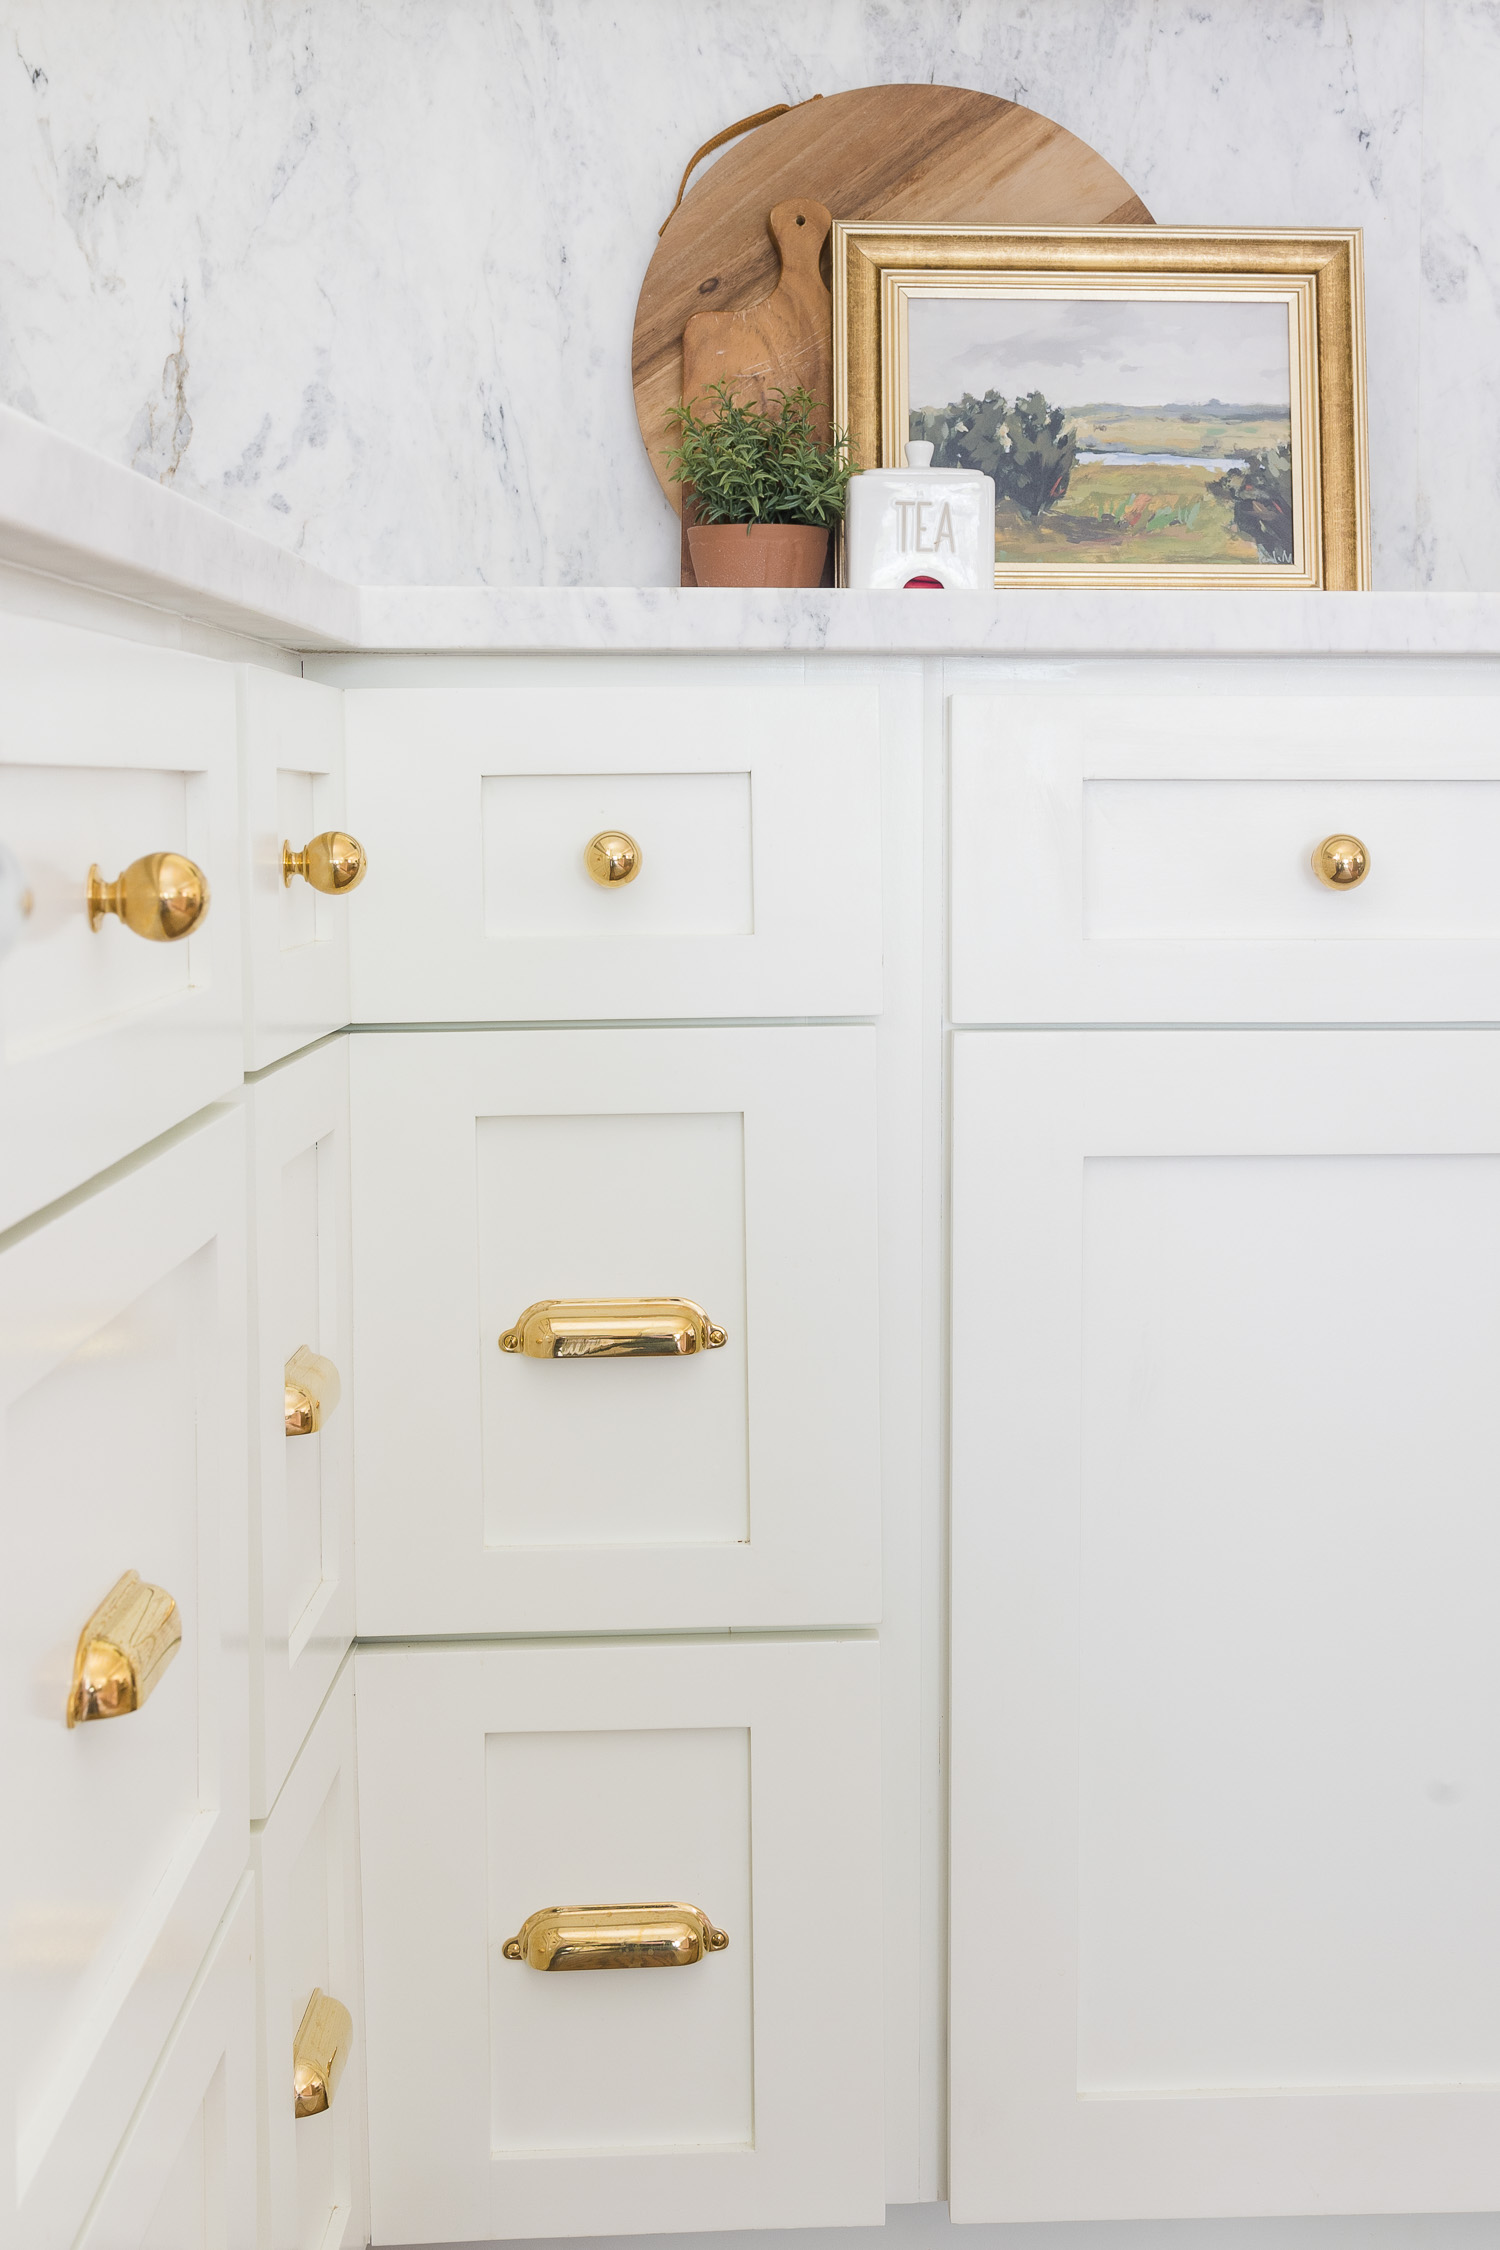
point(766, 488)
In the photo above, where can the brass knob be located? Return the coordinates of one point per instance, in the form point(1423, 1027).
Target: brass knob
point(163, 896)
point(333, 863)
point(123, 1650)
point(319, 2053)
point(312, 1391)
point(615, 1937)
point(612, 858)
point(1341, 862)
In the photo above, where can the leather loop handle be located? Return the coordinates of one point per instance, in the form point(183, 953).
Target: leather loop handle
point(744, 125)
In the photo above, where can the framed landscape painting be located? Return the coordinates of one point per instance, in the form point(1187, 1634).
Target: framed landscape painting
point(1157, 406)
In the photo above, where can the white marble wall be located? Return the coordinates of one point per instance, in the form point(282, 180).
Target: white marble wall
point(361, 273)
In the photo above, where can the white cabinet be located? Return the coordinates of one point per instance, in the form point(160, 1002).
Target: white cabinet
point(740, 2089)
point(735, 1485)
point(184, 2177)
point(122, 1448)
point(302, 1478)
point(112, 755)
point(1148, 858)
point(307, 1861)
point(296, 934)
point(1226, 1683)
point(754, 807)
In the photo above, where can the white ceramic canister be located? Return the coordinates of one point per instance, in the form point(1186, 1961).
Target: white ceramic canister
point(920, 526)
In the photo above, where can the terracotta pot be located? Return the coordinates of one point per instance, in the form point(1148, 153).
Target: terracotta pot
point(757, 554)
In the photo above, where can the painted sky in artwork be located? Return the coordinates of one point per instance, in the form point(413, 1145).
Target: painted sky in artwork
point(1082, 351)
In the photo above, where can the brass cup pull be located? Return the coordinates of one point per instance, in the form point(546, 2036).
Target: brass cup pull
point(313, 1391)
point(332, 863)
point(1341, 862)
point(123, 1650)
point(163, 897)
point(612, 858)
point(613, 1328)
point(319, 2053)
point(615, 1937)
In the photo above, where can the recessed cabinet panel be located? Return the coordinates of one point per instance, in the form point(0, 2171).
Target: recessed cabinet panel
point(184, 2178)
point(297, 937)
point(739, 2083)
point(307, 1859)
point(303, 1586)
point(1150, 858)
point(753, 810)
point(1226, 1834)
point(111, 754)
point(539, 1448)
point(122, 1442)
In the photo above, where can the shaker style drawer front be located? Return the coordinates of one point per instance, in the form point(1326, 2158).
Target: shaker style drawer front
point(1225, 1823)
point(616, 850)
point(301, 1405)
point(312, 2106)
point(300, 863)
point(615, 1329)
point(122, 1452)
point(1218, 858)
point(120, 999)
point(714, 2059)
point(184, 2178)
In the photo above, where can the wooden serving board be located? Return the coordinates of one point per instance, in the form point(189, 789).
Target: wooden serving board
point(907, 153)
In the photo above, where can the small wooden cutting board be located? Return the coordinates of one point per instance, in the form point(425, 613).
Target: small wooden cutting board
point(785, 339)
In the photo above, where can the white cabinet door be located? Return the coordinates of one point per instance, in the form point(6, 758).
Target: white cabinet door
point(755, 809)
point(1148, 859)
point(185, 2176)
point(302, 1485)
point(1226, 1680)
point(307, 1859)
point(109, 754)
point(296, 936)
point(122, 1447)
point(497, 1492)
point(744, 2089)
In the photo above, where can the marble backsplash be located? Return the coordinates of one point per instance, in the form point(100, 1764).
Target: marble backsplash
point(361, 273)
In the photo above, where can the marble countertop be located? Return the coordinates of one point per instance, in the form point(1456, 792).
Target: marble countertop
point(71, 515)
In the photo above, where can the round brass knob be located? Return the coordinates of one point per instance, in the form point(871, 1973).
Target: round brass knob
point(1341, 862)
point(332, 863)
point(163, 897)
point(612, 858)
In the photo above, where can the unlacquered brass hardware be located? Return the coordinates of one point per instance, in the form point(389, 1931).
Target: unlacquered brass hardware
point(123, 1650)
point(615, 1937)
point(319, 2053)
point(613, 1328)
point(612, 858)
point(163, 896)
point(333, 863)
point(313, 1391)
point(1341, 862)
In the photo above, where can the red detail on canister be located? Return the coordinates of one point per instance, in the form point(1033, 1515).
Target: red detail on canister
point(935, 583)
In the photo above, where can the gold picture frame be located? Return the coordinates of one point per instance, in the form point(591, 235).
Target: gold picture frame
point(882, 274)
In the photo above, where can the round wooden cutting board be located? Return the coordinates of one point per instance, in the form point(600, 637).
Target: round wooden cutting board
point(907, 153)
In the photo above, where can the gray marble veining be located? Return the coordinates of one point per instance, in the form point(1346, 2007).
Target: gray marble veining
point(362, 277)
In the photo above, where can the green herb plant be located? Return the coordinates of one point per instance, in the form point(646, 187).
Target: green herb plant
point(747, 464)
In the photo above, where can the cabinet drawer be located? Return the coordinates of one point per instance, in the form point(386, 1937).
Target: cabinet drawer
point(743, 2089)
point(755, 810)
point(1149, 859)
point(1225, 1820)
point(122, 1447)
point(184, 2177)
point(302, 1483)
point(109, 754)
point(737, 1485)
point(307, 1860)
point(297, 931)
